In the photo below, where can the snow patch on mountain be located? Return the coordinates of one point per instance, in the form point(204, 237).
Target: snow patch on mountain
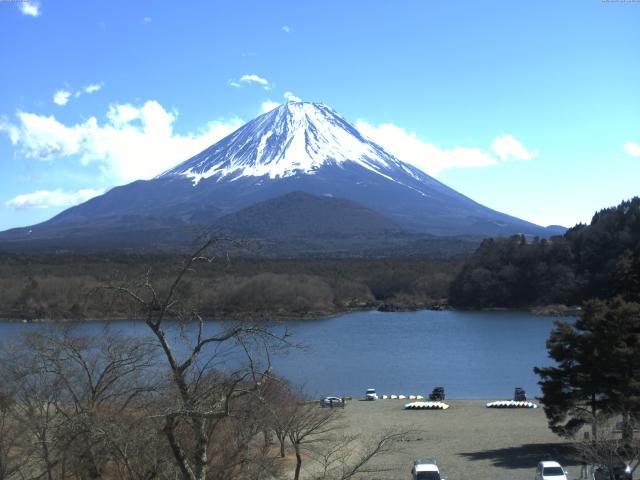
point(295, 138)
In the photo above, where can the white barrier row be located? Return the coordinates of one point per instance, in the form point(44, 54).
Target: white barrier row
point(511, 404)
point(426, 406)
point(400, 397)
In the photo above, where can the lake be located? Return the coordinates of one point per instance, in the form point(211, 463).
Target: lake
point(474, 355)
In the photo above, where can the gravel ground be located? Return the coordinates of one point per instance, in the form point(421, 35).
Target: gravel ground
point(468, 441)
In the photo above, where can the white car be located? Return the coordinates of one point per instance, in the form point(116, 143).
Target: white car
point(371, 394)
point(332, 402)
point(425, 470)
point(550, 470)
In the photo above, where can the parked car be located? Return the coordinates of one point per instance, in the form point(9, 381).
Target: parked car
point(371, 394)
point(332, 402)
point(425, 469)
point(621, 471)
point(550, 470)
point(437, 395)
point(519, 395)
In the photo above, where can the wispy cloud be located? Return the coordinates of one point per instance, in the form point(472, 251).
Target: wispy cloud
point(632, 149)
point(433, 159)
point(269, 105)
point(253, 78)
point(146, 20)
point(286, 29)
point(51, 198)
point(30, 8)
point(133, 142)
point(61, 97)
point(506, 147)
point(250, 79)
point(92, 88)
point(290, 97)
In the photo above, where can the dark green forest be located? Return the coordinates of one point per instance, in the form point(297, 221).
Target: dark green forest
point(599, 260)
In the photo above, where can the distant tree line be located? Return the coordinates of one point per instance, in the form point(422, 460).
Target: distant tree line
point(66, 285)
point(600, 260)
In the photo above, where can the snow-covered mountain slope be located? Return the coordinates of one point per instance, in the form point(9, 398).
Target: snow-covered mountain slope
point(295, 138)
point(297, 147)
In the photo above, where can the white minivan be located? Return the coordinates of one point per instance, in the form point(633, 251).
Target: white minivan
point(371, 394)
point(550, 470)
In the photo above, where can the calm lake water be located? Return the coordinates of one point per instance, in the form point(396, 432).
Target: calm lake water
point(472, 354)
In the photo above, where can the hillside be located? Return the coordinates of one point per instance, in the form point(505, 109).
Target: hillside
point(599, 260)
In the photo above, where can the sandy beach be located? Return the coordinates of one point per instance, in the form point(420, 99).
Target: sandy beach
point(468, 441)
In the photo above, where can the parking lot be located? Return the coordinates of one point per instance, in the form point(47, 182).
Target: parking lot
point(468, 441)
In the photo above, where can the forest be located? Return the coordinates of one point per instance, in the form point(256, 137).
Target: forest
point(71, 286)
point(599, 260)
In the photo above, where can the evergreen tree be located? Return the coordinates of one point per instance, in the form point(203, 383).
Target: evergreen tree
point(597, 368)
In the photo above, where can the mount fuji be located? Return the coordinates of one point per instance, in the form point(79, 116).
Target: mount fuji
point(298, 165)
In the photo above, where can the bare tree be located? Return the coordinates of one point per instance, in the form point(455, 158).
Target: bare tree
point(202, 401)
point(280, 402)
point(308, 426)
point(611, 448)
point(351, 456)
point(73, 398)
point(14, 446)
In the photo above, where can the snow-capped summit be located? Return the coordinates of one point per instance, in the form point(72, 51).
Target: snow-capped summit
point(294, 138)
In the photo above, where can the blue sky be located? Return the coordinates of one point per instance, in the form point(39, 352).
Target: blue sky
point(531, 108)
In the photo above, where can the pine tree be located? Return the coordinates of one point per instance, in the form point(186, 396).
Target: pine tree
point(597, 368)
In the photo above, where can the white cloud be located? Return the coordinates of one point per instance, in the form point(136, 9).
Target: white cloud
point(135, 142)
point(146, 20)
point(55, 198)
point(290, 97)
point(432, 159)
point(425, 156)
point(632, 149)
point(249, 79)
point(269, 105)
point(43, 137)
point(29, 7)
point(286, 29)
point(92, 88)
point(506, 147)
point(253, 78)
point(61, 97)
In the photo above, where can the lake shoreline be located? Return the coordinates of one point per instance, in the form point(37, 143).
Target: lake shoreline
point(284, 316)
point(252, 316)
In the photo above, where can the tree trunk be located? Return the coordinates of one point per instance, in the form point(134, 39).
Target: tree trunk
point(627, 429)
point(47, 459)
point(296, 475)
point(594, 421)
point(201, 460)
